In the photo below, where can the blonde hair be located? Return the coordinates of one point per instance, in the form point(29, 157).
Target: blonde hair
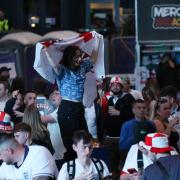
point(157, 106)
point(33, 118)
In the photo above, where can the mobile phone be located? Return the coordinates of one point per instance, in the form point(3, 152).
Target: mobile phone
point(132, 170)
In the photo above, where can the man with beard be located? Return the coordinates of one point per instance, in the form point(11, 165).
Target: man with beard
point(119, 110)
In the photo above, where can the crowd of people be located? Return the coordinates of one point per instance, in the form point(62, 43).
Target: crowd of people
point(57, 137)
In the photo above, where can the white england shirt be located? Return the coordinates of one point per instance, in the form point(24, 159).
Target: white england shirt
point(38, 162)
point(63, 174)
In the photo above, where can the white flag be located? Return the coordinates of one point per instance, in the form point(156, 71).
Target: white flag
point(90, 42)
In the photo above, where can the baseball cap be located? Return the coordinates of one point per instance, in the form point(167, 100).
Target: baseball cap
point(5, 122)
point(4, 68)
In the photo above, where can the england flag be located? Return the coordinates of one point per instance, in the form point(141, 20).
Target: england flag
point(91, 43)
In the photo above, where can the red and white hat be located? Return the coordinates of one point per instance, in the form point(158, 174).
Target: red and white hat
point(147, 144)
point(115, 79)
point(5, 122)
point(157, 143)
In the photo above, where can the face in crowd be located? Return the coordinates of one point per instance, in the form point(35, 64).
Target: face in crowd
point(55, 98)
point(163, 108)
point(3, 90)
point(77, 59)
point(139, 110)
point(21, 137)
point(72, 57)
point(19, 100)
point(116, 88)
point(83, 150)
point(30, 98)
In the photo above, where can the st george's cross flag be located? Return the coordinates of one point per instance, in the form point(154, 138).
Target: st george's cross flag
point(89, 42)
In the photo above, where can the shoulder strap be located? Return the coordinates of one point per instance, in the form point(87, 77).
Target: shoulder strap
point(140, 163)
point(163, 170)
point(71, 169)
point(99, 166)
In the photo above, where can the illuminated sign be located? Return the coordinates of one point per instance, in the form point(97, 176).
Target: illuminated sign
point(166, 16)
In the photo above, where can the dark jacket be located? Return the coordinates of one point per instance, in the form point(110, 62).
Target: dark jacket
point(9, 109)
point(113, 123)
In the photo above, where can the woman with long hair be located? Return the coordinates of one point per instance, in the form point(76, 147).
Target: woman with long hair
point(149, 97)
point(162, 113)
point(70, 78)
point(40, 134)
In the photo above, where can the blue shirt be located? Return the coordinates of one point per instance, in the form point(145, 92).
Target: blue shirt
point(129, 132)
point(170, 163)
point(71, 83)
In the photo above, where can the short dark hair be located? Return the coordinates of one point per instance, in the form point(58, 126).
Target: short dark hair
point(22, 127)
point(17, 84)
point(137, 101)
point(29, 91)
point(82, 135)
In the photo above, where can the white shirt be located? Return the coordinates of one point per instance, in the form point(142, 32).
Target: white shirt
point(136, 94)
point(63, 174)
point(55, 136)
point(131, 159)
point(2, 105)
point(43, 105)
point(38, 162)
point(90, 116)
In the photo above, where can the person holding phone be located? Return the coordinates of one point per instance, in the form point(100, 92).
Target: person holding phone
point(137, 159)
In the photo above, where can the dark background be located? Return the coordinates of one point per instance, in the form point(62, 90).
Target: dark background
point(145, 22)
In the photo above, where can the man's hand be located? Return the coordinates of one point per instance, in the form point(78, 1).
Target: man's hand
point(18, 114)
point(146, 152)
point(174, 121)
point(15, 93)
point(113, 112)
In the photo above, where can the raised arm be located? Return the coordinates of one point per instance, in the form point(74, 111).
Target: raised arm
point(47, 119)
point(93, 56)
point(51, 62)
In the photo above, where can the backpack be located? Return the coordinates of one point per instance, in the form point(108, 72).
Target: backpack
point(71, 168)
